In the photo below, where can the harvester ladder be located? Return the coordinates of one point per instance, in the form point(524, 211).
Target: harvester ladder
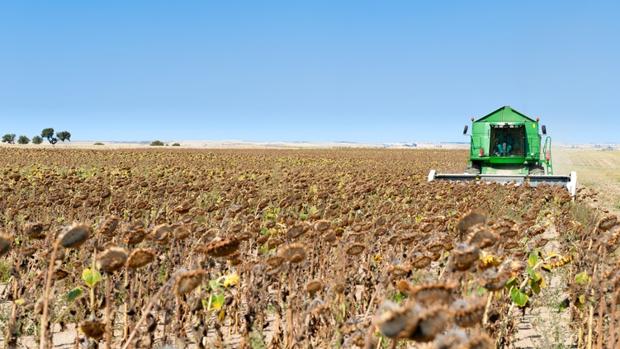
point(547, 155)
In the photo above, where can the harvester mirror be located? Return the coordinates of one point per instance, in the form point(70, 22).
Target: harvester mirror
point(544, 129)
point(465, 129)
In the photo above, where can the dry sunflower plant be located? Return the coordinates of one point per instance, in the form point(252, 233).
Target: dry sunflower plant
point(290, 249)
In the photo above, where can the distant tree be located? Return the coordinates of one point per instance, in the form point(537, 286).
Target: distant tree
point(64, 136)
point(157, 143)
point(9, 138)
point(37, 140)
point(23, 140)
point(98, 143)
point(48, 133)
point(176, 144)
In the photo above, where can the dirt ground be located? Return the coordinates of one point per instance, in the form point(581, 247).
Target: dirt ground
point(596, 169)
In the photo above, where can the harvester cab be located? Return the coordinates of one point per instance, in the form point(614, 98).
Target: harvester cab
point(507, 147)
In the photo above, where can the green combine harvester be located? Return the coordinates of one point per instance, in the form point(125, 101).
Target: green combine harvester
point(506, 147)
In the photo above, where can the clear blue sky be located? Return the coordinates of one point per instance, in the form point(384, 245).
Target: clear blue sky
point(370, 71)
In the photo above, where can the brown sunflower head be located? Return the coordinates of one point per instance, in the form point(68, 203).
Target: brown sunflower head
point(314, 286)
point(469, 220)
point(355, 249)
point(109, 225)
point(93, 329)
point(75, 235)
point(135, 236)
point(188, 281)
point(35, 230)
point(483, 238)
point(607, 222)
point(293, 253)
point(468, 312)
point(420, 260)
point(221, 248)
point(431, 322)
point(464, 256)
point(140, 257)
point(161, 233)
point(295, 231)
point(399, 270)
point(112, 259)
point(396, 321)
point(322, 225)
point(433, 294)
point(275, 261)
point(182, 232)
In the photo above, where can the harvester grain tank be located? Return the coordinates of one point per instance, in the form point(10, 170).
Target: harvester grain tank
point(507, 147)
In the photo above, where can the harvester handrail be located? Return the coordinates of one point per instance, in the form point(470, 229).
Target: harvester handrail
point(547, 155)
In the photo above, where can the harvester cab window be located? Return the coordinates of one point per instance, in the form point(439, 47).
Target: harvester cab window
point(508, 140)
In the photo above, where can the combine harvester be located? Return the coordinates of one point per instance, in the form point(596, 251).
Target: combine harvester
point(505, 147)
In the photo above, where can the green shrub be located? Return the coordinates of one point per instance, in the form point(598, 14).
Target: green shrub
point(176, 144)
point(157, 143)
point(8, 138)
point(23, 140)
point(98, 143)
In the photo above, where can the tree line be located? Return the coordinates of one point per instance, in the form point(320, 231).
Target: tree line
point(46, 133)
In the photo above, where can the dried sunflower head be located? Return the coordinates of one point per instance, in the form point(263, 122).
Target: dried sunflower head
point(355, 249)
point(275, 261)
point(75, 235)
point(161, 233)
point(494, 279)
point(109, 225)
point(139, 258)
point(34, 230)
point(112, 259)
point(322, 226)
point(483, 238)
point(469, 220)
point(222, 248)
point(607, 222)
point(464, 256)
point(188, 281)
point(433, 294)
point(314, 286)
point(135, 236)
point(396, 321)
point(93, 329)
point(468, 312)
point(421, 260)
point(182, 232)
point(431, 322)
point(399, 270)
point(293, 253)
point(295, 231)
